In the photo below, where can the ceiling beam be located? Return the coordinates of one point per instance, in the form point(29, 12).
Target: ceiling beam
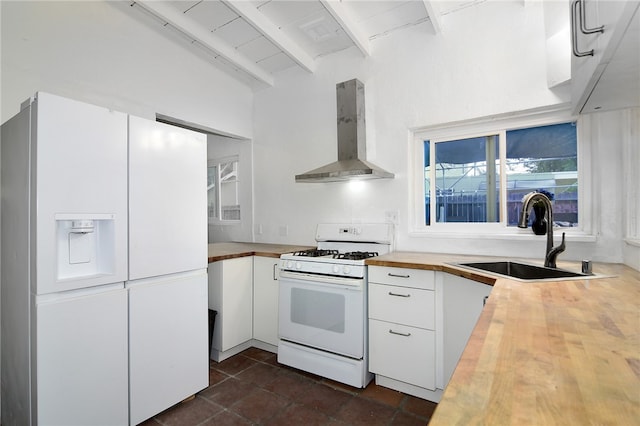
point(256, 19)
point(206, 38)
point(434, 15)
point(340, 14)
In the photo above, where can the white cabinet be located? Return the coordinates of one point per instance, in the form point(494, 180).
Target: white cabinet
point(463, 300)
point(609, 65)
point(402, 330)
point(231, 294)
point(265, 301)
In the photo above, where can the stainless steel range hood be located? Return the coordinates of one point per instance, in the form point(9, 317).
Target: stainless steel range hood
point(352, 145)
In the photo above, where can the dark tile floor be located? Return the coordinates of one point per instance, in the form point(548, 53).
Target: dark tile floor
point(251, 388)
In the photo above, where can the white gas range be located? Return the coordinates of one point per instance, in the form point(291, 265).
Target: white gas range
point(323, 302)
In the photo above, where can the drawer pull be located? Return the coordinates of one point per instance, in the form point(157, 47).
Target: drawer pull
point(398, 294)
point(398, 275)
point(399, 334)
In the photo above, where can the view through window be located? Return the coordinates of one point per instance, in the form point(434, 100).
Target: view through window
point(467, 175)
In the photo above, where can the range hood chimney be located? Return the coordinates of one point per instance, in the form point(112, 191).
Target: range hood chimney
point(352, 145)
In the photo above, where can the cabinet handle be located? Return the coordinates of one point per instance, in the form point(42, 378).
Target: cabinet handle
point(398, 276)
point(275, 272)
point(484, 300)
point(575, 5)
point(399, 295)
point(583, 21)
point(574, 32)
point(399, 334)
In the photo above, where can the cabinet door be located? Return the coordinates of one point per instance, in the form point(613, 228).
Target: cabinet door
point(586, 71)
point(231, 294)
point(463, 300)
point(168, 356)
point(265, 299)
point(403, 353)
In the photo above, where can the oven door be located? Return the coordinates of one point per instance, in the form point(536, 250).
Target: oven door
point(322, 312)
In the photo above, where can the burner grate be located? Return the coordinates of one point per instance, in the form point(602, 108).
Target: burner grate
point(316, 253)
point(355, 255)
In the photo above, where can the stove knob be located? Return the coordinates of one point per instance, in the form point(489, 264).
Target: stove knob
point(346, 270)
point(336, 269)
point(298, 265)
point(289, 264)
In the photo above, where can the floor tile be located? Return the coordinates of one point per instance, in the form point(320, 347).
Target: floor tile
point(295, 415)
point(226, 418)
point(189, 413)
point(323, 398)
point(228, 392)
point(405, 419)
point(235, 364)
point(289, 385)
point(419, 406)
point(260, 355)
point(259, 374)
point(383, 395)
point(260, 405)
point(216, 376)
point(365, 412)
point(341, 386)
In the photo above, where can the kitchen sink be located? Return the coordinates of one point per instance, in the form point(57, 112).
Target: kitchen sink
point(522, 270)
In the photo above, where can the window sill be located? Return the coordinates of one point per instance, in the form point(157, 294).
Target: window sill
point(571, 235)
point(224, 222)
point(635, 242)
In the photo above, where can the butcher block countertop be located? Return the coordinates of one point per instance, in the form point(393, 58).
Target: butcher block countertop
point(545, 353)
point(222, 251)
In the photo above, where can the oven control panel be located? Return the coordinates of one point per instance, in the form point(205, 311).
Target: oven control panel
point(323, 268)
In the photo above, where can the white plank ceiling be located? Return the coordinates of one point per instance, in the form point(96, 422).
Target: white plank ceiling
point(256, 39)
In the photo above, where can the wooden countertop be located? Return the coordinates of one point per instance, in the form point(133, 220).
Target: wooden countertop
point(544, 353)
point(222, 251)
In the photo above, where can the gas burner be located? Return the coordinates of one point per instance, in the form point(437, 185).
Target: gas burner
point(316, 253)
point(355, 255)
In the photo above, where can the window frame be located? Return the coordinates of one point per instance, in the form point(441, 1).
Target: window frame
point(218, 220)
point(494, 125)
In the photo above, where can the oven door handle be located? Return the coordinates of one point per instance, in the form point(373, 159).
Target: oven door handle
point(321, 280)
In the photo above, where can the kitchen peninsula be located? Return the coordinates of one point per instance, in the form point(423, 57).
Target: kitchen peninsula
point(559, 352)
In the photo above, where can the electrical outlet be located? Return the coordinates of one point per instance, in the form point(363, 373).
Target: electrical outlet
point(391, 216)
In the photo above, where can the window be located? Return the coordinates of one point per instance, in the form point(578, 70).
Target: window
point(222, 190)
point(474, 176)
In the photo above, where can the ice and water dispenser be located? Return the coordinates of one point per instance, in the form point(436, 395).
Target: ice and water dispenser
point(86, 246)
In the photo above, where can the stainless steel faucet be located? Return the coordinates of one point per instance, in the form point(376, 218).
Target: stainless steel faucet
point(527, 204)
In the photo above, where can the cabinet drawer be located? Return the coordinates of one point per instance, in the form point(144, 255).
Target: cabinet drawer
point(417, 278)
point(402, 353)
point(402, 305)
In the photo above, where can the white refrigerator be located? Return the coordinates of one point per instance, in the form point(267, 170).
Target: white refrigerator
point(64, 264)
point(104, 248)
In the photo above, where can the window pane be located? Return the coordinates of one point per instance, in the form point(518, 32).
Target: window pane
point(544, 158)
point(467, 180)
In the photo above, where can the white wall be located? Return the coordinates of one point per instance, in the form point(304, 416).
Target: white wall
point(490, 59)
point(101, 53)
